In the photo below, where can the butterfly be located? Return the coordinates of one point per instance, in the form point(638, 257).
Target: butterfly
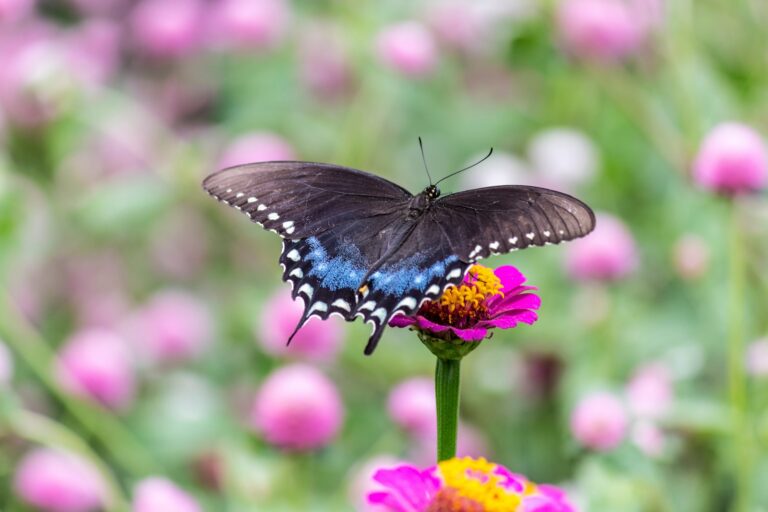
point(356, 244)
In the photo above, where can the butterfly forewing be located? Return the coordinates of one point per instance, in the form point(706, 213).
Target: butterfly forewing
point(300, 199)
point(496, 220)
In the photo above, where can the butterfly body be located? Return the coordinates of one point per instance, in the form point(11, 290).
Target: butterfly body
point(356, 244)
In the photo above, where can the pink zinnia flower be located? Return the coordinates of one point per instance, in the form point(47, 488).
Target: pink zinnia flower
point(464, 484)
point(599, 421)
point(298, 409)
point(732, 159)
point(58, 481)
point(486, 299)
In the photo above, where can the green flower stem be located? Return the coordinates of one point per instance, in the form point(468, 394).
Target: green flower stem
point(114, 437)
point(737, 382)
point(447, 380)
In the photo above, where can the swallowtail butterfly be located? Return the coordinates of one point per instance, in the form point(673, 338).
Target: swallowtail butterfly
point(356, 244)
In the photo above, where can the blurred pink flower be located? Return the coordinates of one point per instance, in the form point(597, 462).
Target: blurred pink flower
point(408, 48)
point(173, 326)
point(649, 438)
point(57, 481)
point(457, 24)
point(649, 391)
point(158, 494)
point(96, 364)
point(168, 28)
point(362, 482)
point(297, 408)
point(600, 30)
point(607, 254)
point(94, 48)
point(34, 78)
point(6, 364)
point(411, 405)
point(249, 24)
point(324, 65)
point(256, 147)
point(732, 159)
point(690, 256)
point(317, 340)
point(757, 358)
point(599, 421)
point(464, 484)
point(13, 11)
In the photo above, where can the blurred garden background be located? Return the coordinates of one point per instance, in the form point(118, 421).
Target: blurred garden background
point(142, 324)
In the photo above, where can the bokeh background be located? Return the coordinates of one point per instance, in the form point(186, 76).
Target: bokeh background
point(142, 324)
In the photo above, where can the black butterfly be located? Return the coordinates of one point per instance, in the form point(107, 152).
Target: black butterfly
point(356, 244)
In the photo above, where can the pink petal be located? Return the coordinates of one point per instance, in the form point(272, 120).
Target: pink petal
point(476, 333)
point(428, 325)
point(402, 321)
point(510, 277)
point(408, 485)
point(511, 318)
point(521, 301)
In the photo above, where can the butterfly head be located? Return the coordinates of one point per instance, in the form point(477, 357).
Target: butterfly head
point(432, 192)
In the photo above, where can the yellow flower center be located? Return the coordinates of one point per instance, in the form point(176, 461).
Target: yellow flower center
point(464, 305)
point(473, 484)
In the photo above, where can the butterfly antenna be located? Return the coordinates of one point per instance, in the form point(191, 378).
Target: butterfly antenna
point(486, 157)
point(423, 159)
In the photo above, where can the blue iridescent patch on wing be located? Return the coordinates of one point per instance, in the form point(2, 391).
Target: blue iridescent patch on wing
point(342, 271)
point(347, 269)
point(410, 274)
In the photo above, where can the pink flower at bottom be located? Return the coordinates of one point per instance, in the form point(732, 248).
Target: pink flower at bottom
point(464, 484)
point(297, 409)
point(157, 494)
point(485, 300)
point(57, 481)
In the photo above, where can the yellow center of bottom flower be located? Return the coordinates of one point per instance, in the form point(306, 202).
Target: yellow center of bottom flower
point(471, 485)
point(464, 305)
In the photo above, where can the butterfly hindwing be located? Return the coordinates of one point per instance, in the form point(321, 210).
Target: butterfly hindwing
point(419, 267)
point(497, 220)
